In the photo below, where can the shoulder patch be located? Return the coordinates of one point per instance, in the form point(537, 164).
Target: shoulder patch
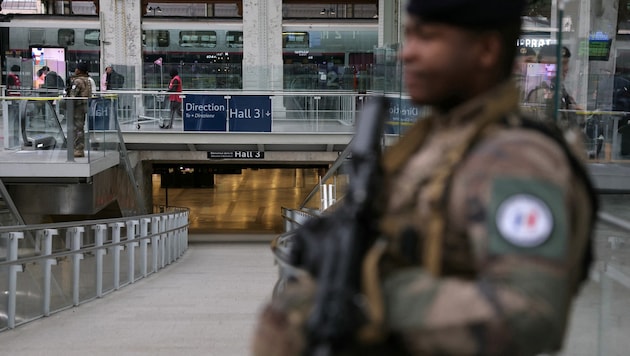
point(527, 217)
point(524, 220)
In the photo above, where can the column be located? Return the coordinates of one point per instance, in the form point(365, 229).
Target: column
point(390, 22)
point(604, 23)
point(262, 45)
point(121, 37)
point(575, 27)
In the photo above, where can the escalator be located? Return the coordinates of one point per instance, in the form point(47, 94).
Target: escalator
point(40, 126)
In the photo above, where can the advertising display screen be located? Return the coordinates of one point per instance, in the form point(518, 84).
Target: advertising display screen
point(48, 60)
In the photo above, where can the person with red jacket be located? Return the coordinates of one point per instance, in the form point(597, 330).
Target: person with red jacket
point(175, 87)
point(13, 81)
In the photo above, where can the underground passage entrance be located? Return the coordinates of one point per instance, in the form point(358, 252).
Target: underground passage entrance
point(226, 199)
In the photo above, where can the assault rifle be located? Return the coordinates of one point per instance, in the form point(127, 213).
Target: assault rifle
point(331, 247)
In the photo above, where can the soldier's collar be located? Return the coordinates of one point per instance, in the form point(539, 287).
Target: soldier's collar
point(496, 102)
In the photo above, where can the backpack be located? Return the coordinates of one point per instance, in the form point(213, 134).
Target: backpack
point(53, 81)
point(116, 80)
point(13, 80)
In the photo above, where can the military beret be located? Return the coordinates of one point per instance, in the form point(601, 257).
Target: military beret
point(482, 14)
point(82, 66)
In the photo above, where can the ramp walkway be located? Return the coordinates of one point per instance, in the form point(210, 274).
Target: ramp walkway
point(205, 304)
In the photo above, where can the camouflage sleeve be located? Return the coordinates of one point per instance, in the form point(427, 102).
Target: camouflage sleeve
point(78, 88)
point(537, 103)
point(525, 217)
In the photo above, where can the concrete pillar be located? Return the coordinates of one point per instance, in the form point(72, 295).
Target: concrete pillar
point(604, 19)
point(262, 45)
point(390, 19)
point(121, 37)
point(575, 27)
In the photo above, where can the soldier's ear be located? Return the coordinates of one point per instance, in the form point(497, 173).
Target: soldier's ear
point(490, 53)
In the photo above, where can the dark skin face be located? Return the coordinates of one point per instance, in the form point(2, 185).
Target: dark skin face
point(445, 65)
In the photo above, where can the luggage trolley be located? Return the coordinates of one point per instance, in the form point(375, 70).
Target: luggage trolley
point(157, 109)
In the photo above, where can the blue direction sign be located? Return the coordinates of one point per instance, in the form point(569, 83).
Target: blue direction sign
point(204, 112)
point(402, 115)
point(250, 113)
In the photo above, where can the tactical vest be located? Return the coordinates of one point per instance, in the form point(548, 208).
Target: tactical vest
point(439, 183)
point(498, 114)
point(85, 90)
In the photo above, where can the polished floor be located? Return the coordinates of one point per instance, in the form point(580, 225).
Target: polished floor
point(246, 203)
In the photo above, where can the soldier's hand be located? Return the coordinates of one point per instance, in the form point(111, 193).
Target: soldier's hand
point(316, 240)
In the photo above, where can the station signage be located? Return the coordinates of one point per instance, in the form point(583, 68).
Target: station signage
point(236, 155)
point(204, 113)
point(402, 115)
point(243, 113)
point(250, 113)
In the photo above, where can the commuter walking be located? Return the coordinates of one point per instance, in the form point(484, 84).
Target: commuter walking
point(41, 77)
point(480, 232)
point(175, 101)
point(14, 83)
point(106, 78)
point(111, 79)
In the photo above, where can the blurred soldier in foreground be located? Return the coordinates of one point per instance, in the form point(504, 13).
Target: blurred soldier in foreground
point(484, 240)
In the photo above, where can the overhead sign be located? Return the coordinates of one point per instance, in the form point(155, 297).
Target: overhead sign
point(204, 112)
point(250, 113)
point(245, 113)
point(236, 154)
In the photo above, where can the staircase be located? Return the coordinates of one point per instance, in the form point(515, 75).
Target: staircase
point(9, 215)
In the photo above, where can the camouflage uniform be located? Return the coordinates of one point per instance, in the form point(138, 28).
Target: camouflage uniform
point(80, 87)
point(487, 239)
point(542, 105)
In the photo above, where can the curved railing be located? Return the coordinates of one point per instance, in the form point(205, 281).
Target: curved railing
point(48, 268)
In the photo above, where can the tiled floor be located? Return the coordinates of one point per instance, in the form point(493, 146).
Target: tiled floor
point(249, 202)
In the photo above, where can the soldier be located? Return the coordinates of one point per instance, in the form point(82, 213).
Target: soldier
point(80, 87)
point(543, 95)
point(524, 56)
point(485, 235)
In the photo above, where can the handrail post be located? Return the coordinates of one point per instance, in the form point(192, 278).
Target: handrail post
point(46, 238)
point(186, 216)
point(99, 253)
point(75, 236)
point(131, 248)
point(116, 250)
point(155, 238)
point(163, 238)
point(171, 239)
point(144, 232)
point(13, 270)
point(182, 234)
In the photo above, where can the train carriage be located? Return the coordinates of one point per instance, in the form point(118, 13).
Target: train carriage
point(208, 53)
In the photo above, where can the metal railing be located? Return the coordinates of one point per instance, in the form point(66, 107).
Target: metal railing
point(48, 268)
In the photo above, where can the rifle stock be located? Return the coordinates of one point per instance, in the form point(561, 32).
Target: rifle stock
point(337, 315)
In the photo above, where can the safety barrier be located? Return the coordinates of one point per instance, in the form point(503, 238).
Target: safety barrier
point(48, 268)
